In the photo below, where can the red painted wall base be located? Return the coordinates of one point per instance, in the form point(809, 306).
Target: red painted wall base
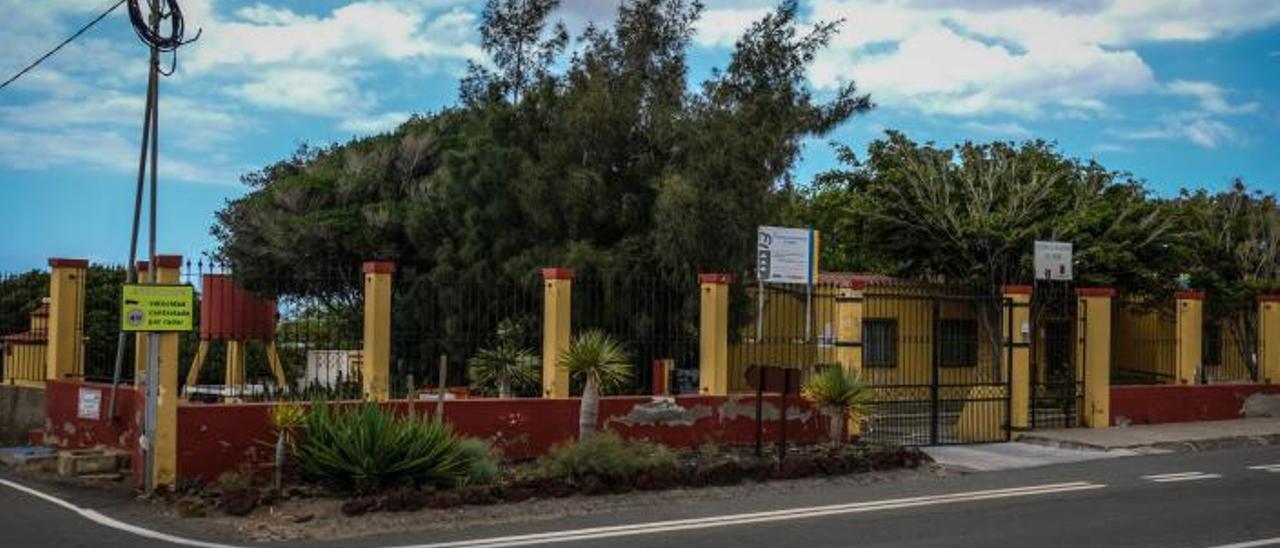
point(1165, 404)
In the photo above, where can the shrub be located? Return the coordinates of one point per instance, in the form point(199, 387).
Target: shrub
point(482, 461)
point(606, 455)
point(365, 448)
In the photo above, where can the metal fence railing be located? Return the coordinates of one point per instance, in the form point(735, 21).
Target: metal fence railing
point(23, 326)
point(1144, 342)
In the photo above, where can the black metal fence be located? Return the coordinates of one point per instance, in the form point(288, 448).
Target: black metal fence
point(654, 317)
point(1144, 342)
point(937, 362)
point(1057, 377)
point(780, 325)
point(294, 337)
point(451, 321)
point(1229, 351)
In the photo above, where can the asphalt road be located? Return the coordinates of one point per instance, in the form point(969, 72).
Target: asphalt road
point(1198, 499)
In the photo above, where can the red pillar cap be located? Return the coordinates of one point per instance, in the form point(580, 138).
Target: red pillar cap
point(856, 285)
point(379, 267)
point(169, 261)
point(557, 273)
point(1190, 295)
point(142, 266)
point(1096, 292)
point(59, 262)
point(1015, 290)
point(715, 278)
point(1270, 298)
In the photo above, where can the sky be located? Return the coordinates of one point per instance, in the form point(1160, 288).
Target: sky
point(1180, 93)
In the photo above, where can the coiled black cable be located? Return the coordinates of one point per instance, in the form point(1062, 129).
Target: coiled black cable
point(172, 13)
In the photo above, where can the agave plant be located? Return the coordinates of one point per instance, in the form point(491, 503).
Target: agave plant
point(602, 363)
point(286, 418)
point(842, 395)
point(365, 448)
point(505, 365)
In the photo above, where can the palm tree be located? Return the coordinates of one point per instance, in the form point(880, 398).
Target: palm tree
point(840, 393)
point(603, 363)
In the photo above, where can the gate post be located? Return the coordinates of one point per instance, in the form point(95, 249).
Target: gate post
point(376, 355)
point(165, 445)
point(1190, 330)
point(557, 329)
point(849, 314)
point(1017, 329)
point(713, 335)
point(1094, 351)
point(66, 318)
point(1269, 338)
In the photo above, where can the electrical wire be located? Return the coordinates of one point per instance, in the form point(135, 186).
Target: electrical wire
point(69, 39)
point(152, 36)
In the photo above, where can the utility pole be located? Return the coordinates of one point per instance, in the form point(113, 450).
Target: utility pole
point(153, 340)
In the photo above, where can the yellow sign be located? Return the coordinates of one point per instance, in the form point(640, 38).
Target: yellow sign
point(157, 308)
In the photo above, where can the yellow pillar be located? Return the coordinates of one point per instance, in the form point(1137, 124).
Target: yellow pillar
point(66, 318)
point(713, 335)
point(1094, 350)
point(233, 373)
point(140, 339)
point(557, 310)
point(849, 313)
point(375, 367)
point(1190, 330)
point(1017, 326)
point(165, 444)
point(1269, 338)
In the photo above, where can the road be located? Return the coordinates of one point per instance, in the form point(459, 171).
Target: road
point(1215, 498)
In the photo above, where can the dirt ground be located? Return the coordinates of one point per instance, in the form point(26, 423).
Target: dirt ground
point(322, 519)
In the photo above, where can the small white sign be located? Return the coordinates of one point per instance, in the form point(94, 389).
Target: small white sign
point(90, 404)
point(1053, 261)
point(785, 255)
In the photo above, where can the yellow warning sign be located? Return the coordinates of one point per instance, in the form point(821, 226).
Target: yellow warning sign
point(157, 308)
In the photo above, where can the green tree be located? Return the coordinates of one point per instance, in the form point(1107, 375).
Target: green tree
point(602, 363)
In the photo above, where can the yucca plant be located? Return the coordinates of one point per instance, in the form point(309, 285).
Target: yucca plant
point(842, 396)
point(286, 418)
point(602, 363)
point(505, 365)
point(365, 448)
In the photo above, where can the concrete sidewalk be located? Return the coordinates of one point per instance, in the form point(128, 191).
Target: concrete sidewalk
point(1185, 436)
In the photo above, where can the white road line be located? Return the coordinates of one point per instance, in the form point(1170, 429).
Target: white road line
point(757, 517)
point(1174, 475)
point(1196, 477)
point(96, 517)
point(1274, 541)
point(1266, 467)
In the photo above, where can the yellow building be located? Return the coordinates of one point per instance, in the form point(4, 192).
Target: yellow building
point(24, 353)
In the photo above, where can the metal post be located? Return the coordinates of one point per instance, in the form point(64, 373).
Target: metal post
point(760, 418)
point(933, 378)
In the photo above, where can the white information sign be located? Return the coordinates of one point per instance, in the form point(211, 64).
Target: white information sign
point(1053, 261)
point(785, 255)
point(90, 404)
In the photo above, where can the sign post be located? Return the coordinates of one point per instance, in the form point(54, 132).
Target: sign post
point(786, 256)
point(1053, 261)
point(155, 309)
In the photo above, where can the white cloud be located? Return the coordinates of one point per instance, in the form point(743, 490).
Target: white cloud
point(38, 149)
point(374, 123)
point(1195, 127)
point(1028, 58)
point(313, 92)
point(1005, 129)
point(1211, 97)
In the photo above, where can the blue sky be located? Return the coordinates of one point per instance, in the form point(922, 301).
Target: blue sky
point(1182, 93)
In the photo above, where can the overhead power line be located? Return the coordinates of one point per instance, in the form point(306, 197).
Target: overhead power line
point(69, 39)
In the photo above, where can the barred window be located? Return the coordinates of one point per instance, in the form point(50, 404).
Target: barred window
point(958, 342)
point(880, 342)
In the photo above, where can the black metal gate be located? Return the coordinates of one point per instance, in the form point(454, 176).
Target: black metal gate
point(1057, 377)
point(937, 364)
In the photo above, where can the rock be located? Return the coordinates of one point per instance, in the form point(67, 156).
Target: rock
point(477, 495)
point(517, 493)
point(191, 507)
point(303, 518)
point(797, 466)
point(359, 506)
point(444, 499)
point(239, 502)
point(726, 472)
point(405, 499)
